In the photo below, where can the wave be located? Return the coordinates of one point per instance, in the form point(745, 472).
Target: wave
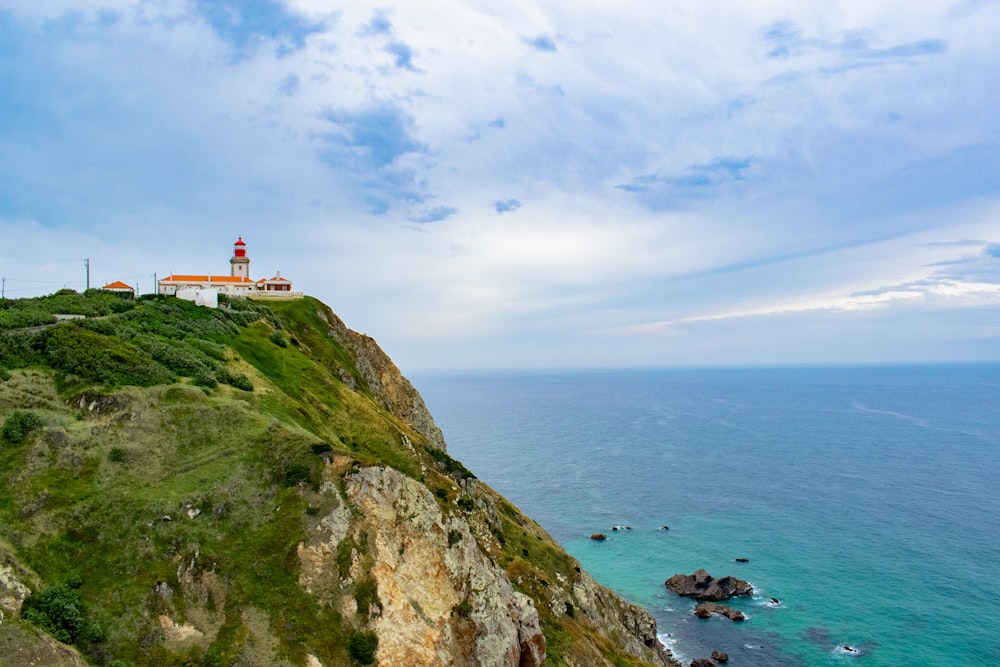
point(861, 407)
point(670, 642)
point(847, 649)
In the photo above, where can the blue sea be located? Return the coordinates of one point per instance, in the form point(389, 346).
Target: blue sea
point(867, 499)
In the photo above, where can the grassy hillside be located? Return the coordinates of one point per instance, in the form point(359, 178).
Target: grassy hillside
point(161, 463)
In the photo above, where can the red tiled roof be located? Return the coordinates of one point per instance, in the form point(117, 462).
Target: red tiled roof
point(117, 285)
point(208, 279)
point(277, 279)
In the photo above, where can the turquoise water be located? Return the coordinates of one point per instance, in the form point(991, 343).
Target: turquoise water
point(867, 500)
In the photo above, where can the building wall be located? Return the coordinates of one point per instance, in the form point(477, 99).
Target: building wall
point(201, 297)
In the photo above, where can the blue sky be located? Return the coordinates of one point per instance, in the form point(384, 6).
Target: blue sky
point(527, 184)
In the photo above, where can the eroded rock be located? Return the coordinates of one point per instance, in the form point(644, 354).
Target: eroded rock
point(702, 586)
point(706, 609)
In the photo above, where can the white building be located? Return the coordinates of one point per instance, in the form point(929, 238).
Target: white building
point(238, 283)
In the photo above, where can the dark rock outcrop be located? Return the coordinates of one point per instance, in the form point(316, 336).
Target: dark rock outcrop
point(720, 657)
point(706, 609)
point(703, 586)
point(703, 662)
point(598, 536)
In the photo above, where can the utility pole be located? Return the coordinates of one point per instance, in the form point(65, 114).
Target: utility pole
point(3, 288)
point(86, 263)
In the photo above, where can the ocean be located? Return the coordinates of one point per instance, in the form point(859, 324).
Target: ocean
point(865, 499)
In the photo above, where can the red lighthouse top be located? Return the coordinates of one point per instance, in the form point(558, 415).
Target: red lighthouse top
point(240, 248)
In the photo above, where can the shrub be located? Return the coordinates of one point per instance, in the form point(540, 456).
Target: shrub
point(116, 455)
point(362, 647)
point(181, 359)
point(20, 424)
point(216, 351)
point(463, 608)
point(238, 380)
point(18, 350)
point(345, 556)
point(205, 379)
point(450, 466)
point(75, 350)
point(278, 339)
point(297, 472)
point(58, 610)
point(366, 595)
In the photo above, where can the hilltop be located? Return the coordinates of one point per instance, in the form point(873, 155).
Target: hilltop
point(259, 485)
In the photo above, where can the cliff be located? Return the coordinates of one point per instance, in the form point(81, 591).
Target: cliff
point(259, 485)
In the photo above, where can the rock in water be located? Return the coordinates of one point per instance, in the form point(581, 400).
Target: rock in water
point(702, 586)
point(720, 657)
point(598, 536)
point(706, 609)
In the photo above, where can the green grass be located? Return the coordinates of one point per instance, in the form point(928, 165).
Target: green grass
point(111, 425)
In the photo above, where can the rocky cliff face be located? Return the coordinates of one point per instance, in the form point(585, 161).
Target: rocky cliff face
point(313, 520)
point(443, 599)
point(440, 600)
point(382, 377)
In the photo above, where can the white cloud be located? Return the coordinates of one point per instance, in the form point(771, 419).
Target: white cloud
point(779, 160)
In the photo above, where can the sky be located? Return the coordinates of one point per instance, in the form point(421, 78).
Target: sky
point(527, 184)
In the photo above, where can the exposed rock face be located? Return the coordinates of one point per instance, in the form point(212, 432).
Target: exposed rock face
point(627, 624)
point(13, 591)
point(706, 609)
point(702, 586)
point(720, 656)
point(442, 601)
point(393, 391)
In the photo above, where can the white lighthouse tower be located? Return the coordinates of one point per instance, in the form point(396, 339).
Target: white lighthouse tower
point(239, 261)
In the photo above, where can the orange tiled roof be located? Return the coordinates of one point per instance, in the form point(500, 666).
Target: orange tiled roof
point(278, 279)
point(117, 285)
point(208, 279)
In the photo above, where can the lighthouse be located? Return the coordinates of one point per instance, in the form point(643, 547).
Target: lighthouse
point(239, 261)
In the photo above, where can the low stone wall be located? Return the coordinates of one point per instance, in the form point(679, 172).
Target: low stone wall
point(275, 295)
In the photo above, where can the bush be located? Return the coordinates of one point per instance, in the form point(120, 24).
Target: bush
point(362, 647)
point(181, 359)
point(20, 424)
point(205, 379)
point(18, 350)
point(463, 608)
point(58, 610)
point(116, 455)
point(278, 339)
point(366, 596)
point(448, 465)
point(297, 472)
point(238, 380)
point(75, 350)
